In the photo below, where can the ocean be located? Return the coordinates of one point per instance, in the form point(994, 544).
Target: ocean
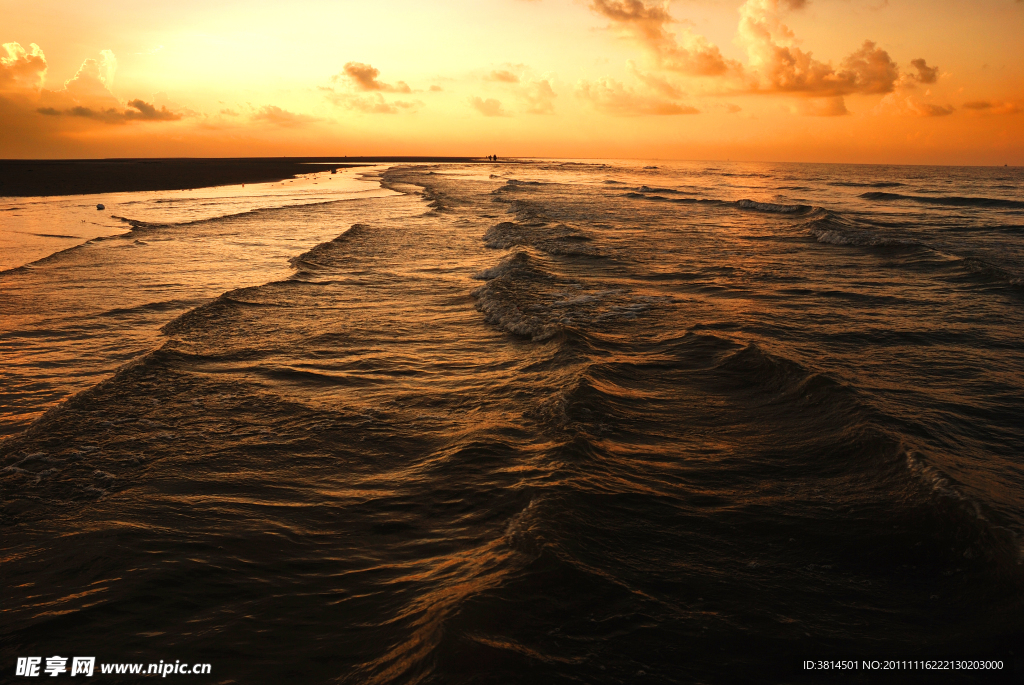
point(535, 422)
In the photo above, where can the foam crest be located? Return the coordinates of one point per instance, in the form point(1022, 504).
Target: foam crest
point(558, 239)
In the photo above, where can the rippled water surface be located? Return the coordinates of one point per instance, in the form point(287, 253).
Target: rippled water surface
point(539, 422)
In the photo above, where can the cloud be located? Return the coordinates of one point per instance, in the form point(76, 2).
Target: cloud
point(646, 22)
point(272, 114)
point(147, 112)
point(502, 76)
point(655, 83)
point(611, 97)
point(895, 103)
point(690, 53)
point(90, 86)
point(229, 112)
point(372, 103)
point(85, 96)
point(538, 96)
point(21, 69)
point(822, 107)
point(925, 73)
point(436, 89)
point(779, 66)
point(489, 107)
point(989, 107)
point(137, 110)
point(364, 77)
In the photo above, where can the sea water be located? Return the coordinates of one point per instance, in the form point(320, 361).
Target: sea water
point(551, 421)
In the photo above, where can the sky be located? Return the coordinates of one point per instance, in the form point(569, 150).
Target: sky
point(860, 81)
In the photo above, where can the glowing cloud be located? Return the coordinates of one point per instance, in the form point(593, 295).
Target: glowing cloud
point(896, 103)
point(502, 76)
point(779, 66)
point(611, 97)
point(539, 97)
point(22, 69)
point(689, 54)
point(489, 107)
point(272, 114)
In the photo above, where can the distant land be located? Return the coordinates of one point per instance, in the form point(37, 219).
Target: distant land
point(29, 178)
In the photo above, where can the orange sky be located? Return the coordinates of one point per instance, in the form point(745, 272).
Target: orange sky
point(887, 81)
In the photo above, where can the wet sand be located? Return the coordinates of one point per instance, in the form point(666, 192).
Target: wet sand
point(31, 178)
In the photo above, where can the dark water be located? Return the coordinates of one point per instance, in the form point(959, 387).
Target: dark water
point(538, 423)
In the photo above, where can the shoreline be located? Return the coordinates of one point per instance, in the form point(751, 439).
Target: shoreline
point(44, 178)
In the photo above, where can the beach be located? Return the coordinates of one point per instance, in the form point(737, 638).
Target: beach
point(45, 177)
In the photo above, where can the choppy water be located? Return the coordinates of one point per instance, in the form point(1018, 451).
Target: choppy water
point(547, 422)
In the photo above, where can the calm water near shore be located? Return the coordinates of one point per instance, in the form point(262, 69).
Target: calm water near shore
point(539, 422)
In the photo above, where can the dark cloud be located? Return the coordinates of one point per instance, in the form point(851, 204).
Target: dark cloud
point(147, 112)
point(365, 77)
point(137, 110)
point(928, 110)
point(990, 107)
point(925, 73)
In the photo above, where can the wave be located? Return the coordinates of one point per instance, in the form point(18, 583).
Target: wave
point(772, 207)
point(875, 184)
point(56, 235)
point(648, 189)
point(948, 200)
point(312, 258)
point(833, 228)
point(509, 298)
point(675, 200)
point(524, 297)
point(531, 229)
point(159, 306)
point(992, 272)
